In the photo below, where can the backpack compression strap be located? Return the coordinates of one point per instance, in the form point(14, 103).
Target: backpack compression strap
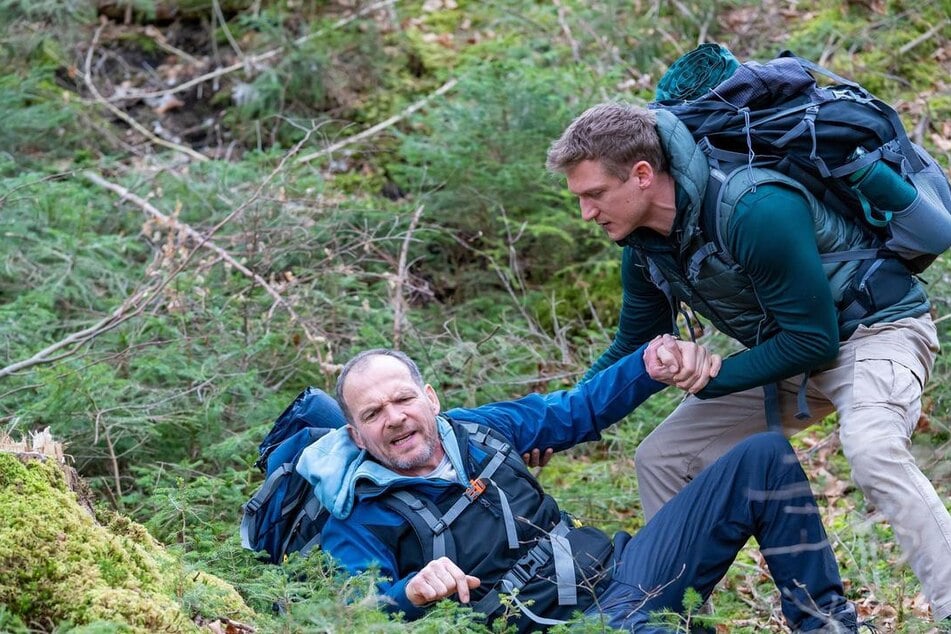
point(556, 545)
point(249, 519)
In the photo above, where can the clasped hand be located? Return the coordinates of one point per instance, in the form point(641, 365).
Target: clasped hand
point(683, 364)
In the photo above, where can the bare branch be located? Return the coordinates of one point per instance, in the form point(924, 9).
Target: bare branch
point(566, 29)
point(399, 300)
point(924, 36)
point(136, 303)
point(380, 126)
point(204, 240)
point(133, 305)
point(174, 223)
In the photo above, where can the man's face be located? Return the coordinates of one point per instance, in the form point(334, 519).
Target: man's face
point(393, 418)
point(617, 206)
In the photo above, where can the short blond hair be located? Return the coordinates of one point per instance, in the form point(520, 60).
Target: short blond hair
point(616, 134)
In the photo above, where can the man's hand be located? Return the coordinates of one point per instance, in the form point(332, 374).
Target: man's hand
point(684, 364)
point(439, 579)
point(537, 458)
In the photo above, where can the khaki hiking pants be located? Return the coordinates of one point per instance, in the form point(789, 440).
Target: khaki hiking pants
point(875, 385)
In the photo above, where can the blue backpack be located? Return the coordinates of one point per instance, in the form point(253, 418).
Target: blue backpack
point(284, 515)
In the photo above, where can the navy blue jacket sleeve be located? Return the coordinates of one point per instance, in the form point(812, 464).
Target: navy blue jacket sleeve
point(565, 418)
point(358, 550)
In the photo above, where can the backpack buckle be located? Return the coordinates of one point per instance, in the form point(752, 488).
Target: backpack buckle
point(475, 489)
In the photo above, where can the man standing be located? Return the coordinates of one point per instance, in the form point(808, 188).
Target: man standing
point(442, 505)
point(640, 176)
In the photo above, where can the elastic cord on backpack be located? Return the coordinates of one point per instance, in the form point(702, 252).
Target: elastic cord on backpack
point(751, 156)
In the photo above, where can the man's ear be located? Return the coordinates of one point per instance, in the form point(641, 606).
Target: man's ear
point(355, 437)
point(643, 174)
point(433, 398)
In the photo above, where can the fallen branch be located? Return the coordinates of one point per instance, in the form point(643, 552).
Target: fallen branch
point(399, 301)
point(203, 241)
point(136, 303)
point(173, 223)
point(380, 126)
point(924, 36)
point(254, 60)
point(87, 78)
point(133, 305)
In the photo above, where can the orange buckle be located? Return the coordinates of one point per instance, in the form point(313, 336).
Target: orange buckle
point(476, 488)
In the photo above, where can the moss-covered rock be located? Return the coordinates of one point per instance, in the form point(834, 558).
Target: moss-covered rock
point(61, 564)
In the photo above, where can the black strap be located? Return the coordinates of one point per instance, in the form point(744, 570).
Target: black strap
point(774, 419)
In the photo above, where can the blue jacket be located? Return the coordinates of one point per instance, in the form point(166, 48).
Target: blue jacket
point(361, 532)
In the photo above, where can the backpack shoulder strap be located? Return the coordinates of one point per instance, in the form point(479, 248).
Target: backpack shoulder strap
point(431, 532)
point(432, 527)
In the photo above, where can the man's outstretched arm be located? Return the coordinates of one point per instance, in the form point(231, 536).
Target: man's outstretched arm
point(563, 418)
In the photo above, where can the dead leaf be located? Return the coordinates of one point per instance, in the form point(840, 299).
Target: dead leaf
point(168, 102)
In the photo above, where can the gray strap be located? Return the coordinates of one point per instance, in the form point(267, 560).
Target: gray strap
point(248, 526)
point(801, 402)
point(311, 509)
point(564, 570)
point(249, 522)
point(463, 502)
point(847, 256)
point(436, 526)
point(483, 438)
point(509, 519)
point(306, 548)
point(510, 589)
point(696, 260)
point(527, 567)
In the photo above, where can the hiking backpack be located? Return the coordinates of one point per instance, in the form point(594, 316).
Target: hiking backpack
point(284, 515)
point(775, 115)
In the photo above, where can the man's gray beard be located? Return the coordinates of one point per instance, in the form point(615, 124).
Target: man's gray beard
point(406, 464)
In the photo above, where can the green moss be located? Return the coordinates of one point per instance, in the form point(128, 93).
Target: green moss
point(62, 565)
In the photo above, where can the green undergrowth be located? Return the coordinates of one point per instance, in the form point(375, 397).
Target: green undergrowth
point(441, 234)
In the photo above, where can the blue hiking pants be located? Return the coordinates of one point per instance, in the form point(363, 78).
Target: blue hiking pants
point(758, 490)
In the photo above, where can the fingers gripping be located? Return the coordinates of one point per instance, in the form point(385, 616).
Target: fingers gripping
point(439, 579)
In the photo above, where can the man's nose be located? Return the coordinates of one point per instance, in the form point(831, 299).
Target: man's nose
point(393, 414)
point(588, 210)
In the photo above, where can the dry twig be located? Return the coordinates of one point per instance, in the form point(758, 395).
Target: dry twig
point(399, 300)
point(380, 126)
point(924, 36)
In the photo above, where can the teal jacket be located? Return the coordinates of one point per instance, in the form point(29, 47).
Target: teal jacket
point(771, 291)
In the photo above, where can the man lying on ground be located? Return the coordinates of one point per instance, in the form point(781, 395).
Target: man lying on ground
point(443, 505)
